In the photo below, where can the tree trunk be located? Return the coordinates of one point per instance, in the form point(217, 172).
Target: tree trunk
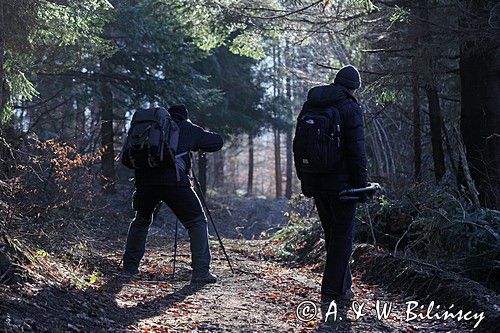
point(202, 171)
point(289, 135)
point(471, 185)
point(431, 88)
point(480, 118)
point(276, 131)
point(107, 135)
point(451, 157)
point(436, 123)
point(250, 165)
point(417, 127)
point(219, 169)
point(2, 52)
point(277, 164)
point(289, 164)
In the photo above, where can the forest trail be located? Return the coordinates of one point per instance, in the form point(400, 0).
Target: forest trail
point(261, 297)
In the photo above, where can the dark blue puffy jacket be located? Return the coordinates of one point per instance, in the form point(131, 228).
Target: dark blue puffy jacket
point(353, 172)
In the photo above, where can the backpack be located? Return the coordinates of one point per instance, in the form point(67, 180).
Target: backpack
point(316, 145)
point(152, 140)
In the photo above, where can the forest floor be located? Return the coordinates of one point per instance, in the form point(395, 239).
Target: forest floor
point(261, 297)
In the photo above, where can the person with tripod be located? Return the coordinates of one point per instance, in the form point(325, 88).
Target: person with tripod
point(169, 184)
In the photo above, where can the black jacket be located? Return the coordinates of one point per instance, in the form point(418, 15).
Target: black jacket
point(191, 138)
point(353, 172)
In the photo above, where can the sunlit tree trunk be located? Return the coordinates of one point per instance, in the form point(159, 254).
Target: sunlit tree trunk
point(107, 134)
point(250, 164)
point(276, 131)
point(277, 163)
point(219, 169)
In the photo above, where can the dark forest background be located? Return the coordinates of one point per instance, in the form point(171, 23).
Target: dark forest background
point(73, 72)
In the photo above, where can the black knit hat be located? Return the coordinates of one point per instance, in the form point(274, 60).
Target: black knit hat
point(348, 77)
point(179, 111)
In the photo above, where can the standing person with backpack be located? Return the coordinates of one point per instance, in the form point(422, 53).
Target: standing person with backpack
point(329, 153)
point(158, 147)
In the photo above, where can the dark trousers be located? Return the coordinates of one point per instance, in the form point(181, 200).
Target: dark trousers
point(186, 205)
point(337, 219)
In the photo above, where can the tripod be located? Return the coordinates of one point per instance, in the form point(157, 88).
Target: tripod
point(155, 214)
point(204, 203)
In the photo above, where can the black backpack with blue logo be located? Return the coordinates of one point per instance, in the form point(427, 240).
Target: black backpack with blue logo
point(317, 141)
point(152, 140)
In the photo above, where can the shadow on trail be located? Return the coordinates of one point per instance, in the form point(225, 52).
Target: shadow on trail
point(127, 316)
point(60, 309)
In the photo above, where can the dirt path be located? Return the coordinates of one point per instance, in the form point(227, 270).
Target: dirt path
point(261, 297)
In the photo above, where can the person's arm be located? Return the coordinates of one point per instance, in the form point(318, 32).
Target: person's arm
point(205, 140)
point(355, 152)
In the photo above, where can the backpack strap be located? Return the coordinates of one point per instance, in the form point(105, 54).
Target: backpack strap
point(180, 164)
point(181, 154)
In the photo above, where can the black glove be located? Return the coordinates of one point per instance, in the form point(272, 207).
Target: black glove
point(307, 194)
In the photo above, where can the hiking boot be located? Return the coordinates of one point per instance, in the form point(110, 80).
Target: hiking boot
point(346, 296)
point(129, 271)
point(204, 279)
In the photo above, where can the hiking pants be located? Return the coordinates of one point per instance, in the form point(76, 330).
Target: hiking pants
point(186, 205)
point(337, 219)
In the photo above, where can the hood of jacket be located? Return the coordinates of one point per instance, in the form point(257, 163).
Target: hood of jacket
point(324, 96)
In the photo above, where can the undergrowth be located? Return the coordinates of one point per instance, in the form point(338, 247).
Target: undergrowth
point(50, 205)
point(432, 225)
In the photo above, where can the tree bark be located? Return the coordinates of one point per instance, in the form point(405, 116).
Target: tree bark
point(276, 131)
point(219, 169)
point(417, 122)
point(436, 124)
point(202, 171)
point(289, 164)
point(471, 186)
point(277, 164)
point(250, 165)
point(417, 140)
point(2, 52)
point(107, 134)
point(431, 88)
point(289, 134)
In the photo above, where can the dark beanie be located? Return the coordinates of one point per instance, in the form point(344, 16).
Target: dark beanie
point(348, 77)
point(179, 111)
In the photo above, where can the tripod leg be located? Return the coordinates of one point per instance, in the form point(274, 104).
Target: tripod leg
point(204, 202)
point(157, 210)
point(175, 246)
